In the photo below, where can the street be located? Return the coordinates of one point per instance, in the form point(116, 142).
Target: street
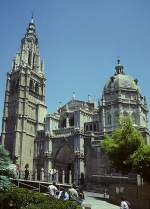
point(96, 202)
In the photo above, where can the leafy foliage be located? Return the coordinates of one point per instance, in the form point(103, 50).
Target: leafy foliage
point(6, 170)
point(126, 149)
point(25, 199)
point(141, 162)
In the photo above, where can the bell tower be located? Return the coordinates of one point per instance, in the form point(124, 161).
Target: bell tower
point(24, 105)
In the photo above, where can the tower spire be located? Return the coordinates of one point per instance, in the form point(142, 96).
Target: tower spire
point(29, 55)
point(32, 18)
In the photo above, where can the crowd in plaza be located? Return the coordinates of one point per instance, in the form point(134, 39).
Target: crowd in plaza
point(74, 193)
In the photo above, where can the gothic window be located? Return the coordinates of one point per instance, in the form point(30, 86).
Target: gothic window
point(125, 113)
point(12, 86)
point(31, 85)
point(29, 58)
point(86, 128)
point(34, 59)
point(134, 118)
point(116, 117)
point(94, 127)
point(71, 121)
point(90, 127)
point(144, 118)
point(36, 88)
point(63, 123)
point(17, 84)
point(41, 147)
point(31, 128)
point(108, 119)
point(127, 96)
point(134, 96)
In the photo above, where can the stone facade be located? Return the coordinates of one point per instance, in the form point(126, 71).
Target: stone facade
point(24, 105)
point(69, 139)
point(62, 145)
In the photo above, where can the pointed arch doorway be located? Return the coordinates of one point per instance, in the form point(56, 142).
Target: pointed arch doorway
point(64, 161)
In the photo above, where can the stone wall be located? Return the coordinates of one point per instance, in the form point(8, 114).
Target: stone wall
point(138, 196)
point(121, 186)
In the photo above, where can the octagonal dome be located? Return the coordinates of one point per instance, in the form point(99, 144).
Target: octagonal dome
point(121, 80)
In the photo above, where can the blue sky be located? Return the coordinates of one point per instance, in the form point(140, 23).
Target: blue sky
point(79, 42)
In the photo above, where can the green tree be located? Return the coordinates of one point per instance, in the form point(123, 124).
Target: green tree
point(6, 169)
point(127, 150)
point(141, 162)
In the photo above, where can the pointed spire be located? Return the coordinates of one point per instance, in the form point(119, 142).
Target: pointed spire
point(31, 31)
point(32, 18)
point(89, 98)
point(73, 96)
point(99, 103)
point(42, 66)
point(145, 101)
point(28, 55)
point(119, 67)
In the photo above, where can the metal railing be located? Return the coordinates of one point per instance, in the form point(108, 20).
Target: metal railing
point(35, 185)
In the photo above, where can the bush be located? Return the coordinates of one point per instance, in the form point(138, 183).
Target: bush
point(6, 169)
point(25, 199)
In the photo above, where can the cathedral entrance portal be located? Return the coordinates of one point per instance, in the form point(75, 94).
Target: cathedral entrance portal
point(64, 162)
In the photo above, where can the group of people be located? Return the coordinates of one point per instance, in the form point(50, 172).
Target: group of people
point(53, 175)
point(72, 193)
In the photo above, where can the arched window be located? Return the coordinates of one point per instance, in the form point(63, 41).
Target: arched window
point(116, 117)
point(108, 119)
point(125, 113)
point(134, 117)
point(64, 123)
point(71, 121)
point(90, 127)
point(36, 88)
point(13, 86)
point(29, 58)
point(34, 60)
point(86, 128)
point(31, 86)
point(17, 83)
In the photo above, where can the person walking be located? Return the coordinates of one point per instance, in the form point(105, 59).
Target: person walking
point(80, 197)
point(63, 194)
point(73, 192)
point(54, 175)
point(124, 204)
point(52, 189)
point(26, 174)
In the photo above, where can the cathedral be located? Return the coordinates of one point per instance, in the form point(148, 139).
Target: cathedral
point(68, 140)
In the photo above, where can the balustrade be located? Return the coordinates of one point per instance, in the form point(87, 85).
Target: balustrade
point(52, 176)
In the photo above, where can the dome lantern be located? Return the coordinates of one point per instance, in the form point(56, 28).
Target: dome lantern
point(119, 68)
